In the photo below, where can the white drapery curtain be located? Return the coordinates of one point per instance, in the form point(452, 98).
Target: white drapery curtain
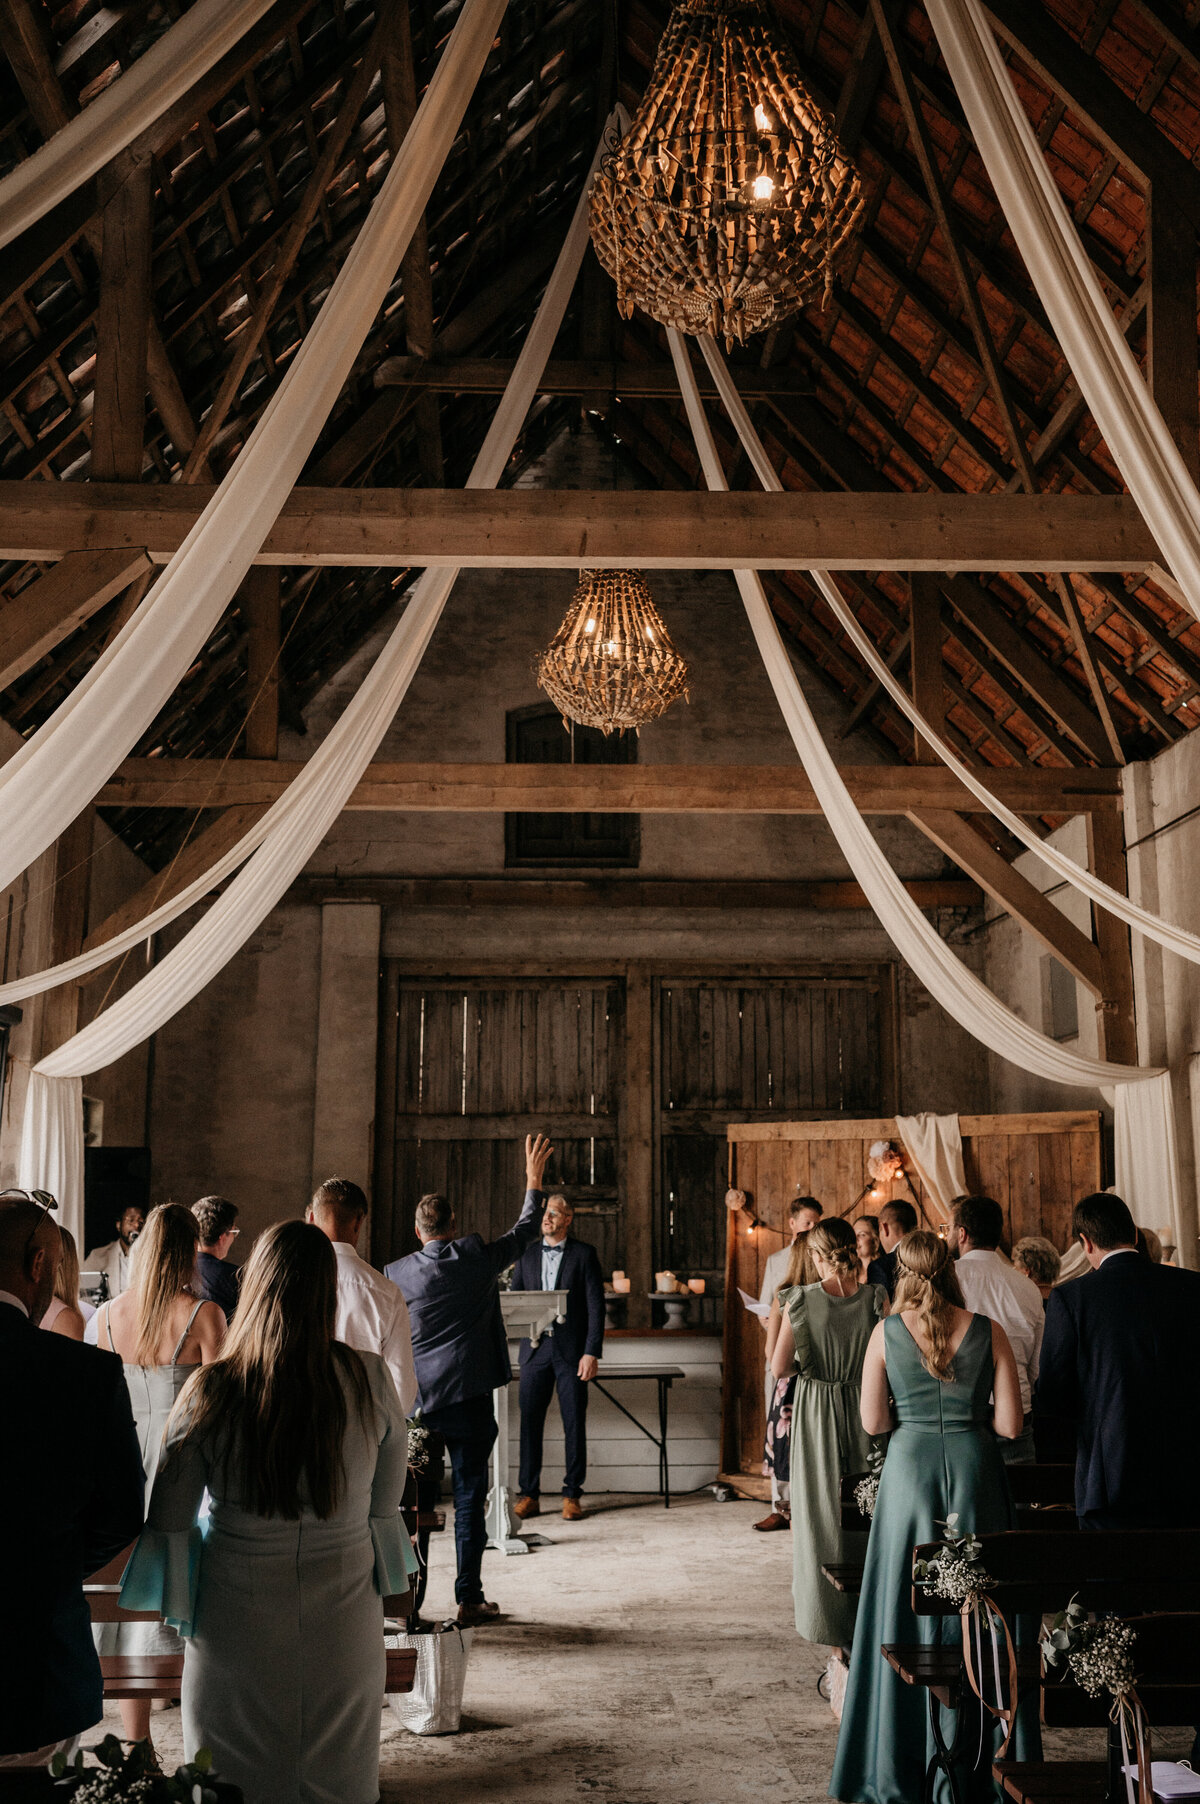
point(61, 767)
point(50, 1156)
point(958, 990)
point(1091, 340)
point(1146, 1157)
point(934, 1144)
point(124, 110)
point(323, 787)
point(1142, 920)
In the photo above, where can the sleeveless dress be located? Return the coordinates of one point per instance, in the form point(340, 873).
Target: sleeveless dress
point(152, 1392)
point(830, 1335)
point(942, 1457)
point(282, 1620)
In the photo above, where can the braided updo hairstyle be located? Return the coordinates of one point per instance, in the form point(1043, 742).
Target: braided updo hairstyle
point(834, 1242)
point(927, 1283)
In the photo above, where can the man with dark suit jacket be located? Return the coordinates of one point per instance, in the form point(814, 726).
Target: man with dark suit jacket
point(895, 1221)
point(1121, 1358)
point(216, 1277)
point(71, 1498)
point(565, 1359)
point(460, 1351)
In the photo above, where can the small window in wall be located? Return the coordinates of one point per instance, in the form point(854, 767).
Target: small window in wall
point(537, 736)
point(1060, 1001)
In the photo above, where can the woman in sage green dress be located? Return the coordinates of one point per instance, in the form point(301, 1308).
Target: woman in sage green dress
point(953, 1388)
point(823, 1338)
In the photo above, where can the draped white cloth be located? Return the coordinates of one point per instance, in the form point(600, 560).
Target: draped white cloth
point(323, 787)
point(1092, 342)
point(50, 1156)
point(60, 768)
point(1142, 920)
point(934, 1144)
point(124, 110)
point(1146, 1157)
point(958, 990)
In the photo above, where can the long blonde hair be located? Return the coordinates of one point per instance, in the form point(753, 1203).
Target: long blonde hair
point(164, 1266)
point(801, 1269)
point(66, 1279)
point(927, 1283)
point(834, 1242)
point(275, 1398)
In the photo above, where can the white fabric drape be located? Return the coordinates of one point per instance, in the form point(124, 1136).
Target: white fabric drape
point(1142, 920)
point(323, 787)
point(60, 768)
point(50, 1156)
point(960, 993)
point(124, 110)
point(934, 1144)
point(1146, 1157)
point(1091, 340)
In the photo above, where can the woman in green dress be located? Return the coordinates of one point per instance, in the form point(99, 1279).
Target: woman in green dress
point(939, 1365)
point(823, 1338)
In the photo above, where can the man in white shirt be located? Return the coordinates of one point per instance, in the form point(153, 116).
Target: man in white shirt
point(993, 1287)
point(805, 1212)
point(372, 1314)
point(115, 1259)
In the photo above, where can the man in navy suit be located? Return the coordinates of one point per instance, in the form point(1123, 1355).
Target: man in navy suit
point(460, 1351)
point(71, 1498)
point(1121, 1358)
point(565, 1359)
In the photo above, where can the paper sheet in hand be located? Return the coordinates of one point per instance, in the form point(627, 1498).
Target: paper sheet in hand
point(1170, 1781)
point(761, 1310)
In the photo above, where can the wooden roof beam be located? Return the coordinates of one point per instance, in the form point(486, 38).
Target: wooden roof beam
point(579, 376)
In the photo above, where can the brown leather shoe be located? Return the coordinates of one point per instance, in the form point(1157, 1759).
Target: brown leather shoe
point(474, 1616)
point(572, 1509)
point(774, 1521)
point(527, 1506)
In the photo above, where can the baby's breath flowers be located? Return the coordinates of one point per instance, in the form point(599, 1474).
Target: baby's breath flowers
point(1098, 1655)
point(955, 1573)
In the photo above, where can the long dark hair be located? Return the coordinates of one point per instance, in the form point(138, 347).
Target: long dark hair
point(276, 1400)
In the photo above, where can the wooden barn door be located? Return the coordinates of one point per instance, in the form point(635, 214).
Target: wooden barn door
point(468, 1068)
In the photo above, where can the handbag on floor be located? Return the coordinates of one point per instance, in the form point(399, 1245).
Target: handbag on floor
point(434, 1705)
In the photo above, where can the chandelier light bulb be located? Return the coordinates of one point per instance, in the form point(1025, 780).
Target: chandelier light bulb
point(764, 187)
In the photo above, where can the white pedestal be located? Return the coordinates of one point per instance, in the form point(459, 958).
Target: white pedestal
point(528, 1314)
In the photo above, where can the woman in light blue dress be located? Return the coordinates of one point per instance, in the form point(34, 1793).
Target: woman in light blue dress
point(301, 1444)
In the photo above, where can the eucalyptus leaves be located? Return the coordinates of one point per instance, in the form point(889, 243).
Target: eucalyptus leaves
point(866, 1491)
point(127, 1773)
point(955, 1573)
point(1098, 1655)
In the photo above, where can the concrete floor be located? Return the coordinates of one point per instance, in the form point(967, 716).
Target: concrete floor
point(644, 1657)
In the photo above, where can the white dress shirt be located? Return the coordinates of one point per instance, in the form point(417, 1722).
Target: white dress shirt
point(6, 1296)
point(114, 1260)
point(372, 1316)
point(552, 1258)
point(992, 1287)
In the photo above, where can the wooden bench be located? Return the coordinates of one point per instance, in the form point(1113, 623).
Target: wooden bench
point(1053, 1781)
point(161, 1675)
point(845, 1576)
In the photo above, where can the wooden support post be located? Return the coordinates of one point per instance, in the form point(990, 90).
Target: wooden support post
point(1115, 1010)
point(400, 106)
point(260, 601)
point(122, 329)
point(925, 623)
point(72, 878)
point(637, 1142)
point(970, 850)
point(1171, 328)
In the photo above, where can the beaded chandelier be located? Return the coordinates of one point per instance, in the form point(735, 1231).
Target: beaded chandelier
point(612, 664)
point(725, 206)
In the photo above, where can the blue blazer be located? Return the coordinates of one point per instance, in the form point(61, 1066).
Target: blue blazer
point(579, 1275)
point(1121, 1358)
point(459, 1345)
point(71, 1500)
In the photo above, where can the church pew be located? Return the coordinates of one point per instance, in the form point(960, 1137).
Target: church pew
point(161, 1675)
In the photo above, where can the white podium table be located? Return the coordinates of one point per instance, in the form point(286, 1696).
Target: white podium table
point(528, 1314)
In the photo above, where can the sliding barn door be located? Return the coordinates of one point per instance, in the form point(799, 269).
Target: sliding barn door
point(468, 1068)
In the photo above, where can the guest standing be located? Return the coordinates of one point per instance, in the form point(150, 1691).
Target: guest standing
point(461, 1354)
point(63, 1314)
point(372, 1315)
point(941, 1365)
point(162, 1329)
point(300, 1443)
point(823, 1339)
point(1040, 1261)
point(114, 1258)
point(895, 1221)
point(216, 1275)
point(866, 1238)
point(1121, 1359)
point(70, 1501)
point(804, 1212)
point(992, 1287)
point(566, 1359)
